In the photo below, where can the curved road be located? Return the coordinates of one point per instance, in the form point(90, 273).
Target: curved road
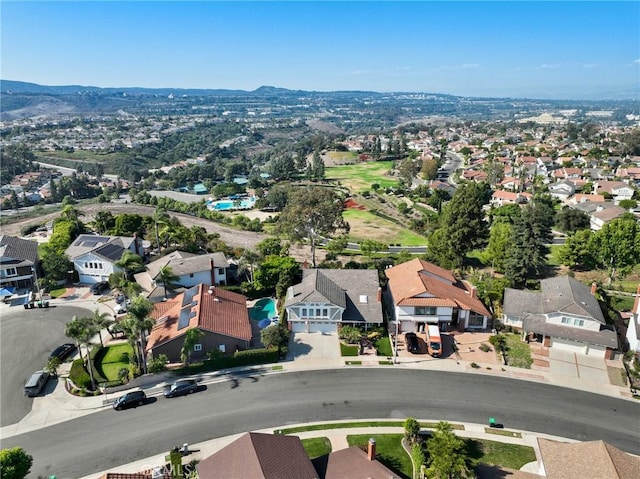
point(27, 337)
point(107, 439)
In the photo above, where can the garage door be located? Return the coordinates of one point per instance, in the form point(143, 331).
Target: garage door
point(298, 327)
point(322, 327)
point(568, 345)
point(596, 351)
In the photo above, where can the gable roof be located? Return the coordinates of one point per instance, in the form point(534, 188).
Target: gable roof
point(592, 459)
point(108, 247)
point(259, 456)
point(182, 263)
point(18, 249)
point(566, 294)
point(420, 283)
point(355, 290)
point(213, 309)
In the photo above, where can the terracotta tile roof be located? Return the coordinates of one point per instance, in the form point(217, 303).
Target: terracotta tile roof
point(593, 459)
point(427, 302)
point(259, 456)
point(420, 279)
point(221, 312)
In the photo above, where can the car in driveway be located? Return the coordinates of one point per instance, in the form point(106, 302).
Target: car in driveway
point(182, 387)
point(99, 288)
point(63, 351)
point(411, 340)
point(131, 399)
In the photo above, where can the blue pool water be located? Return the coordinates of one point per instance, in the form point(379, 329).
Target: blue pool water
point(264, 311)
point(225, 205)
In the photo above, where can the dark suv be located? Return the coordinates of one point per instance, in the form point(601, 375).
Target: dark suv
point(99, 288)
point(411, 339)
point(63, 352)
point(181, 387)
point(132, 399)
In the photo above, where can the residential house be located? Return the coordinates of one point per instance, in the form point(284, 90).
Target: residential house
point(422, 293)
point(326, 299)
point(94, 257)
point(274, 456)
point(501, 198)
point(600, 213)
point(564, 314)
point(619, 190)
point(562, 190)
point(18, 262)
point(221, 315)
point(581, 198)
point(191, 269)
point(592, 459)
point(633, 330)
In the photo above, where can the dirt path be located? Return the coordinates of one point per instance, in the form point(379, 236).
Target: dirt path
point(232, 237)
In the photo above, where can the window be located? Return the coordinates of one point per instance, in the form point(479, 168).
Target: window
point(566, 320)
point(325, 313)
point(304, 312)
point(220, 271)
point(425, 310)
point(476, 321)
point(198, 347)
point(9, 272)
point(578, 322)
point(86, 265)
point(222, 348)
point(190, 275)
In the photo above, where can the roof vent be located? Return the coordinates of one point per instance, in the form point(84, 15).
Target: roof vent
point(364, 299)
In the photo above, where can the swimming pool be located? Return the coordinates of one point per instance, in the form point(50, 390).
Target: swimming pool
point(225, 205)
point(263, 311)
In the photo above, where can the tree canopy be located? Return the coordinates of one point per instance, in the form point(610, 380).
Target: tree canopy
point(15, 463)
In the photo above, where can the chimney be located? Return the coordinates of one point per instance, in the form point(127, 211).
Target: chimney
point(371, 450)
point(379, 298)
point(213, 272)
point(474, 292)
point(135, 244)
point(594, 287)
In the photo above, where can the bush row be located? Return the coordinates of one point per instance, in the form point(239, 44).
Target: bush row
point(249, 357)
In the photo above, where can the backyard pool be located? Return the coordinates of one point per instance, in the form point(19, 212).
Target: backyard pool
point(264, 311)
point(226, 205)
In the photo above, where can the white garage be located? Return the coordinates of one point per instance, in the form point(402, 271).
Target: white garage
point(325, 327)
point(568, 345)
point(596, 351)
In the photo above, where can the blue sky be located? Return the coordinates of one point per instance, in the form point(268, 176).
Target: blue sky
point(496, 48)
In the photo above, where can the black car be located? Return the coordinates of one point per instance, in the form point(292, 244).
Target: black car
point(181, 387)
point(132, 399)
point(412, 342)
point(63, 351)
point(99, 288)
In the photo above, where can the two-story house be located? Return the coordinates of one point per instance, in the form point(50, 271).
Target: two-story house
point(18, 262)
point(94, 257)
point(329, 298)
point(423, 293)
point(564, 314)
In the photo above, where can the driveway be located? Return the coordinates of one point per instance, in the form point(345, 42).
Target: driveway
point(311, 349)
point(575, 365)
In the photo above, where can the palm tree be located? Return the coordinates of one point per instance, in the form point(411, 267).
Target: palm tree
point(191, 338)
point(160, 217)
point(71, 214)
point(129, 262)
point(167, 278)
point(137, 323)
point(247, 263)
point(73, 330)
point(101, 321)
point(82, 331)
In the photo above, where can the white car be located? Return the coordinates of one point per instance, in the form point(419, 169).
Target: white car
point(122, 307)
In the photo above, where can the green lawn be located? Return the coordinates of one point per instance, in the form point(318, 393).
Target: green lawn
point(360, 176)
point(349, 349)
point(553, 256)
point(383, 347)
point(115, 358)
point(365, 225)
point(502, 454)
point(347, 425)
point(389, 451)
point(518, 352)
point(56, 293)
point(317, 446)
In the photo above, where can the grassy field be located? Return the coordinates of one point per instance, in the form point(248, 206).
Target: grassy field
point(349, 349)
point(365, 225)
point(359, 177)
point(343, 156)
point(518, 353)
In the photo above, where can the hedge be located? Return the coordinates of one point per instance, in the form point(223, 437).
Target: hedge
point(249, 357)
point(79, 375)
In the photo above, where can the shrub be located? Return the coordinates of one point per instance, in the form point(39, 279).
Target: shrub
point(79, 375)
point(350, 334)
point(240, 358)
point(411, 430)
point(159, 364)
point(475, 366)
point(499, 341)
point(485, 348)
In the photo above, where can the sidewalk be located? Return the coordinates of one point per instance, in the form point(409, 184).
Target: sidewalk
point(338, 440)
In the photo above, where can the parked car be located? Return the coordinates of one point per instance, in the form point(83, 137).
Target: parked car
point(100, 287)
point(181, 387)
point(120, 298)
point(35, 384)
point(63, 351)
point(123, 307)
point(132, 399)
point(411, 341)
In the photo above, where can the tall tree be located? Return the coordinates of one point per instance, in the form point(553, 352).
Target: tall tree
point(616, 247)
point(312, 214)
point(160, 217)
point(576, 252)
point(497, 249)
point(82, 330)
point(129, 262)
point(101, 321)
point(136, 324)
point(527, 253)
point(571, 220)
point(447, 454)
